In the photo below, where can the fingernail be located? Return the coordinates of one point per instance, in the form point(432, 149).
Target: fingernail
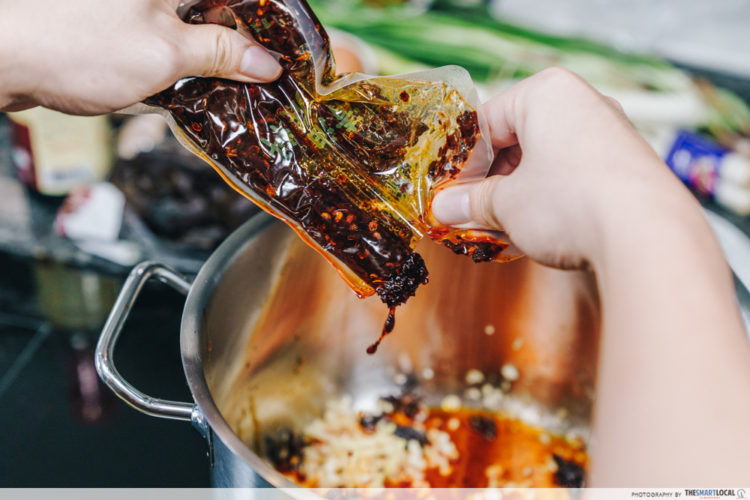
point(259, 64)
point(452, 206)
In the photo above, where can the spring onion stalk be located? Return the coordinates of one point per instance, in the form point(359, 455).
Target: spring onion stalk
point(495, 53)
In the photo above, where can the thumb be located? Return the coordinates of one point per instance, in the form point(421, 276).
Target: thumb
point(213, 50)
point(481, 204)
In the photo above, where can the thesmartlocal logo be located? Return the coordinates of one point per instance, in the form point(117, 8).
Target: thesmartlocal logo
point(715, 493)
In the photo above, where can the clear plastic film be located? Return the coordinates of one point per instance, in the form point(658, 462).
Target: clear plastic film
point(350, 162)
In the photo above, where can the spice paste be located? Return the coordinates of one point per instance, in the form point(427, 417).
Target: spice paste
point(350, 164)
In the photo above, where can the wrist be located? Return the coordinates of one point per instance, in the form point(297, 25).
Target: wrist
point(653, 218)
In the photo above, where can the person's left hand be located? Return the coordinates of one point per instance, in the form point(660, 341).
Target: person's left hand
point(97, 56)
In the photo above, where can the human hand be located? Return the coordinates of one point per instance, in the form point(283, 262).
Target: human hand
point(581, 188)
point(571, 169)
point(97, 56)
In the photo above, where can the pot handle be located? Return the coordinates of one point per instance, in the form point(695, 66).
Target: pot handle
point(105, 348)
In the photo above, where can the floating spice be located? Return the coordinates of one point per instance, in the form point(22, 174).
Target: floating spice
point(461, 448)
point(484, 426)
point(569, 473)
point(350, 162)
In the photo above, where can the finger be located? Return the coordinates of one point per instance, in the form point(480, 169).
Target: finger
point(212, 50)
point(499, 112)
point(481, 204)
point(506, 112)
point(506, 161)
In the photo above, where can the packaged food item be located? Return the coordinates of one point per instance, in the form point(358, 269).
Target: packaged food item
point(91, 213)
point(350, 162)
point(711, 170)
point(54, 152)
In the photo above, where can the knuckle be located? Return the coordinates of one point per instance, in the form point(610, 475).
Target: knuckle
point(558, 73)
point(562, 78)
point(616, 104)
point(223, 53)
point(562, 85)
point(174, 57)
point(482, 203)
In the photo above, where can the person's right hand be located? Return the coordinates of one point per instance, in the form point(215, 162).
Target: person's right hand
point(577, 168)
point(583, 188)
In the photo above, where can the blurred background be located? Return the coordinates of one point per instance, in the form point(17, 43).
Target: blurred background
point(84, 199)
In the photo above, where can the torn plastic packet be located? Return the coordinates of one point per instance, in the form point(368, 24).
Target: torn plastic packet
point(350, 162)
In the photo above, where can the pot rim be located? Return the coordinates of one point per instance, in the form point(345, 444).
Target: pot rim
point(198, 298)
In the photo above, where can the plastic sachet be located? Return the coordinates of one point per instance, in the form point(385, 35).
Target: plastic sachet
point(350, 162)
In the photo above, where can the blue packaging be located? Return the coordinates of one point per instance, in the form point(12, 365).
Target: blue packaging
point(696, 160)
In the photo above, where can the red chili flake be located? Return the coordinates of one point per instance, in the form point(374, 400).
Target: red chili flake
point(404, 96)
point(372, 226)
point(337, 215)
point(325, 215)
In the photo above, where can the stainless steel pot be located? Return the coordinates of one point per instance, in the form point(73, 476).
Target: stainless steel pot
point(270, 333)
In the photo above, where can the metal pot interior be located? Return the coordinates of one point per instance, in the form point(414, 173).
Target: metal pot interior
point(282, 334)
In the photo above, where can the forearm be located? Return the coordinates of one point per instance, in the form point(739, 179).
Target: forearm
point(16, 82)
point(673, 391)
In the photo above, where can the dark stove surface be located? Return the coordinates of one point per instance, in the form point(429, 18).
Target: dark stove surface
point(60, 426)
